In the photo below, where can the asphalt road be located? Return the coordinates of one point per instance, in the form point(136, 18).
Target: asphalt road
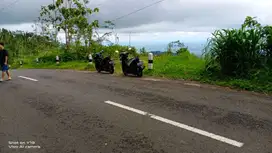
point(54, 111)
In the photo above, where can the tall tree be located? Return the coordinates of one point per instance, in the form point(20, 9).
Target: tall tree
point(176, 46)
point(100, 38)
point(71, 17)
point(22, 44)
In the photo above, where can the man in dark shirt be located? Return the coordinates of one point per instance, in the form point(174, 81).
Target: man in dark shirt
point(4, 62)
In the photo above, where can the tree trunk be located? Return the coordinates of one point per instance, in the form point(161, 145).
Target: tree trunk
point(66, 37)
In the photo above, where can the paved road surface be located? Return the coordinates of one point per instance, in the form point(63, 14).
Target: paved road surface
point(79, 112)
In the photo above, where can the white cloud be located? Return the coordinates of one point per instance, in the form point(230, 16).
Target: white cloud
point(191, 20)
point(162, 37)
point(184, 15)
point(136, 37)
point(22, 27)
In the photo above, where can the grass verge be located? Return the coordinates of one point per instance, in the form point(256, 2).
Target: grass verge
point(185, 66)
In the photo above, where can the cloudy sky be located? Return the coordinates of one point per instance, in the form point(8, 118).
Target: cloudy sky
point(186, 20)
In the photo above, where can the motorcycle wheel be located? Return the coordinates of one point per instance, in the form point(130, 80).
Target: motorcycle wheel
point(139, 72)
point(111, 69)
point(97, 69)
point(125, 74)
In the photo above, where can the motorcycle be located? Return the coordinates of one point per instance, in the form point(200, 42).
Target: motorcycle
point(103, 64)
point(133, 66)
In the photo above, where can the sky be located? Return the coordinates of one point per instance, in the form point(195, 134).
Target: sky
point(190, 21)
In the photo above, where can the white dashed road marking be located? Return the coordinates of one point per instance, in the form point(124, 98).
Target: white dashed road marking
point(180, 125)
point(151, 79)
point(192, 84)
point(27, 78)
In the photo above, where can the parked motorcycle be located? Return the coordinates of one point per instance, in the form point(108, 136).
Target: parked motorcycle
point(103, 64)
point(133, 66)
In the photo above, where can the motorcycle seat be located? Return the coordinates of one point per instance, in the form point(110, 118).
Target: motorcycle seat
point(130, 61)
point(107, 57)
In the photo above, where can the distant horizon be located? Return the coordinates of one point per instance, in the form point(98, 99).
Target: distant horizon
point(194, 47)
point(195, 44)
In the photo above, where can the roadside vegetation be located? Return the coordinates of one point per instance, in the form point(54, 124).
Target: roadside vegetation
point(238, 58)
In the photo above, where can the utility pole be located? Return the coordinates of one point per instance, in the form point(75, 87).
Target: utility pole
point(116, 39)
point(35, 27)
point(129, 38)
point(115, 35)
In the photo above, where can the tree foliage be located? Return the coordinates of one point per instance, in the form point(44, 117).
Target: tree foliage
point(73, 20)
point(21, 44)
point(176, 46)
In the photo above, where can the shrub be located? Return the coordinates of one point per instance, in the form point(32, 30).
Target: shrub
point(236, 52)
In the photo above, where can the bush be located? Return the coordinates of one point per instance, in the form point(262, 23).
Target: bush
point(182, 50)
point(236, 52)
point(48, 58)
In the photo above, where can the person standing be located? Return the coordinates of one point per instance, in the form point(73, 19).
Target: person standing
point(4, 62)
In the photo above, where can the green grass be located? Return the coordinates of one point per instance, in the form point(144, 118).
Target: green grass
point(75, 65)
point(185, 66)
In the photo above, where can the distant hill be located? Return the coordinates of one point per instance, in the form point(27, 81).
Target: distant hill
point(158, 48)
point(159, 52)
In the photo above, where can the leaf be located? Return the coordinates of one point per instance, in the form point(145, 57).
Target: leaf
point(96, 9)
